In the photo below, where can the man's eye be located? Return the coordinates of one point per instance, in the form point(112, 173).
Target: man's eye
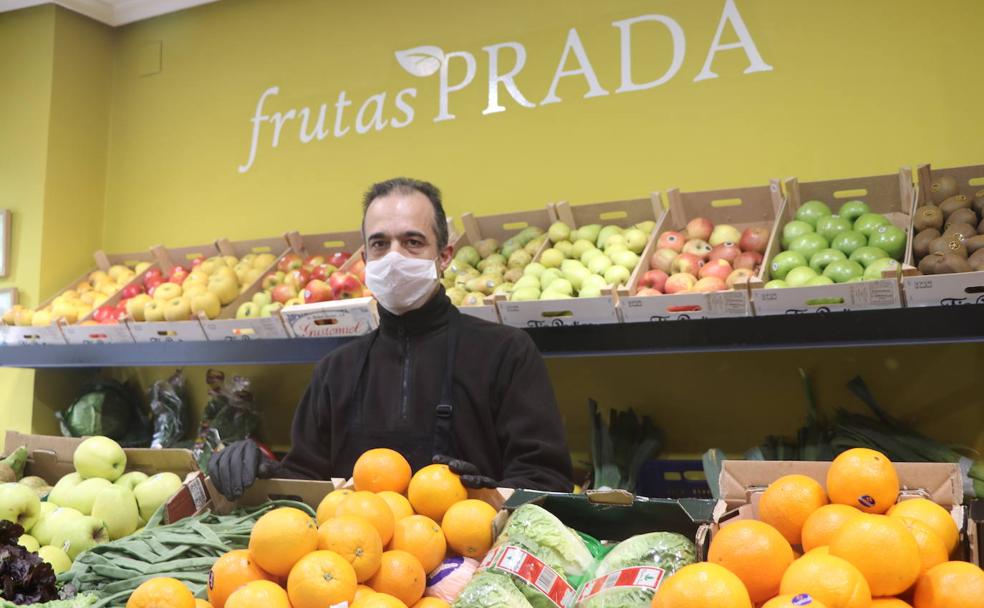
point(377, 244)
point(415, 243)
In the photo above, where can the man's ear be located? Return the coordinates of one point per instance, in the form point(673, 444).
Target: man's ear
point(445, 257)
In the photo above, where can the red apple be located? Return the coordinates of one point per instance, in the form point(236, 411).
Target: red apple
point(680, 283)
point(738, 277)
point(748, 259)
point(338, 258)
point(316, 291)
point(716, 268)
point(697, 247)
point(289, 262)
point(649, 291)
point(699, 228)
point(671, 240)
point(131, 290)
point(345, 285)
point(314, 260)
point(662, 259)
point(297, 278)
point(654, 279)
point(283, 292)
point(152, 284)
point(322, 272)
point(754, 239)
point(687, 263)
point(272, 279)
point(104, 314)
point(152, 274)
point(710, 284)
point(196, 262)
point(177, 275)
point(725, 251)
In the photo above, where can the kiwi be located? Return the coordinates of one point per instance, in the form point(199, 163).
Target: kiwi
point(974, 244)
point(920, 243)
point(943, 245)
point(962, 216)
point(943, 188)
point(976, 261)
point(960, 201)
point(928, 264)
point(951, 264)
point(928, 217)
point(979, 203)
point(961, 232)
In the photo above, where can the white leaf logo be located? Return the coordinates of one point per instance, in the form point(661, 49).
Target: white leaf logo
point(421, 60)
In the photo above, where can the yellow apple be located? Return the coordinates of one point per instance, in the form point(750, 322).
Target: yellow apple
point(83, 287)
point(178, 309)
point(264, 261)
point(98, 299)
point(24, 317)
point(116, 270)
point(207, 303)
point(97, 275)
point(125, 277)
point(253, 276)
point(209, 266)
point(293, 302)
point(64, 310)
point(68, 294)
point(167, 291)
point(82, 310)
point(196, 276)
point(230, 260)
point(108, 289)
point(41, 318)
point(141, 267)
point(135, 306)
point(154, 311)
point(193, 289)
point(8, 317)
point(225, 271)
point(226, 288)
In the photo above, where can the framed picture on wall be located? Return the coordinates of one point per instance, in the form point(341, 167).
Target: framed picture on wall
point(8, 297)
point(4, 242)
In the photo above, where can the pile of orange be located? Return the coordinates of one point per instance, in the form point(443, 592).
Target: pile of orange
point(862, 548)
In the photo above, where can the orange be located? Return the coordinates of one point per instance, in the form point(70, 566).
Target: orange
point(431, 602)
point(259, 594)
point(381, 469)
point(883, 549)
point(793, 601)
point(161, 592)
point(933, 515)
point(788, 501)
point(379, 600)
point(322, 578)
point(421, 537)
point(200, 603)
point(824, 523)
point(362, 590)
point(329, 504)
point(702, 586)
point(468, 527)
point(821, 550)
point(889, 602)
point(863, 478)
point(368, 505)
point(280, 538)
point(434, 489)
point(828, 579)
point(950, 585)
point(230, 572)
point(756, 553)
point(401, 576)
point(932, 551)
point(398, 504)
point(355, 539)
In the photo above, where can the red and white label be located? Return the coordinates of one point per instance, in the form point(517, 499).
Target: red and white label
point(639, 577)
point(520, 563)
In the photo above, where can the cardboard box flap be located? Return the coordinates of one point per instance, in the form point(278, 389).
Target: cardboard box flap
point(198, 494)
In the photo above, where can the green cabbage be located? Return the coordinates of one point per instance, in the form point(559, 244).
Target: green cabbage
point(491, 590)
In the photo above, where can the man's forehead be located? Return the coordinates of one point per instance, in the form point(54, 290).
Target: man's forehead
point(400, 211)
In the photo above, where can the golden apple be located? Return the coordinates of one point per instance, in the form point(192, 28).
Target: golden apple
point(225, 287)
point(11, 313)
point(230, 260)
point(253, 276)
point(135, 306)
point(154, 311)
point(83, 287)
point(23, 317)
point(206, 303)
point(178, 309)
point(209, 265)
point(141, 267)
point(116, 270)
point(82, 310)
point(97, 275)
point(196, 276)
point(64, 310)
point(68, 294)
point(167, 291)
point(225, 271)
point(41, 318)
point(98, 299)
point(247, 259)
point(194, 289)
point(264, 261)
point(294, 302)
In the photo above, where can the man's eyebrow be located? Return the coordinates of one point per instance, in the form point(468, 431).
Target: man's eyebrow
point(407, 234)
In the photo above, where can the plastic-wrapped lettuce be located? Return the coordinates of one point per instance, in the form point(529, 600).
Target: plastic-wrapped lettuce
point(491, 590)
point(664, 550)
point(538, 531)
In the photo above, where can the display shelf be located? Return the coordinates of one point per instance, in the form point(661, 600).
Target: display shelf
point(897, 327)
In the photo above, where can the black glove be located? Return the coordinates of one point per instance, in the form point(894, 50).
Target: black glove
point(471, 477)
point(237, 466)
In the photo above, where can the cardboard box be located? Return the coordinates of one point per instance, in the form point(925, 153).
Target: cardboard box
point(891, 195)
point(742, 483)
point(500, 227)
point(945, 289)
point(976, 521)
point(583, 311)
point(739, 207)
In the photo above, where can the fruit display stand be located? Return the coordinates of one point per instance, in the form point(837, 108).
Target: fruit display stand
point(499, 227)
point(227, 326)
point(742, 208)
point(591, 310)
point(742, 483)
point(890, 195)
point(953, 288)
point(333, 318)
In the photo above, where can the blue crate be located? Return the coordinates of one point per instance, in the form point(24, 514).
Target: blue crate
point(673, 479)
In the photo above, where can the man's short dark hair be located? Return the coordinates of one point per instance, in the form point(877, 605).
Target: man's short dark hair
point(406, 185)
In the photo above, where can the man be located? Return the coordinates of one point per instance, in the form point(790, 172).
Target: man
point(431, 383)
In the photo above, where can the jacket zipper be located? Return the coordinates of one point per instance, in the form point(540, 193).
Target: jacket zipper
point(406, 377)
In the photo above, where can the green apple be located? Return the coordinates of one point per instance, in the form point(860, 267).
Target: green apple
point(890, 239)
point(591, 291)
point(808, 244)
point(565, 247)
point(600, 264)
point(647, 226)
point(117, 508)
point(527, 282)
point(468, 255)
point(554, 295)
point(784, 262)
point(49, 522)
point(855, 279)
point(559, 231)
point(832, 225)
point(849, 242)
point(58, 559)
point(792, 230)
point(590, 254)
point(552, 258)
point(580, 246)
point(875, 270)
point(82, 496)
point(614, 248)
point(571, 265)
point(577, 277)
point(635, 239)
point(615, 240)
point(869, 222)
point(525, 294)
point(820, 259)
point(19, 504)
point(776, 284)
point(819, 280)
point(534, 269)
point(604, 233)
point(617, 275)
point(549, 276)
point(154, 492)
point(811, 212)
point(594, 281)
point(626, 259)
point(47, 508)
point(262, 298)
point(842, 271)
point(271, 309)
point(589, 232)
point(60, 492)
point(799, 276)
point(29, 542)
point(248, 310)
point(852, 210)
point(562, 286)
point(78, 534)
point(131, 480)
point(99, 457)
point(866, 255)
point(38, 484)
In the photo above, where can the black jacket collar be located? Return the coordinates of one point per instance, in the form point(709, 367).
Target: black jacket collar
point(429, 317)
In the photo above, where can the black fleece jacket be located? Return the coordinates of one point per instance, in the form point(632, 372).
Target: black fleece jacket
point(505, 418)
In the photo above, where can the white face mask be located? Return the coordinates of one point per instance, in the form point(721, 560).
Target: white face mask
point(401, 284)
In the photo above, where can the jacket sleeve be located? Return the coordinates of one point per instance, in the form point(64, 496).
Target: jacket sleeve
point(528, 424)
point(310, 456)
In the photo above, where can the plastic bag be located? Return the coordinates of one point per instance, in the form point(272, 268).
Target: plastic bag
point(230, 415)
point(167, 404)
point(107, 407)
